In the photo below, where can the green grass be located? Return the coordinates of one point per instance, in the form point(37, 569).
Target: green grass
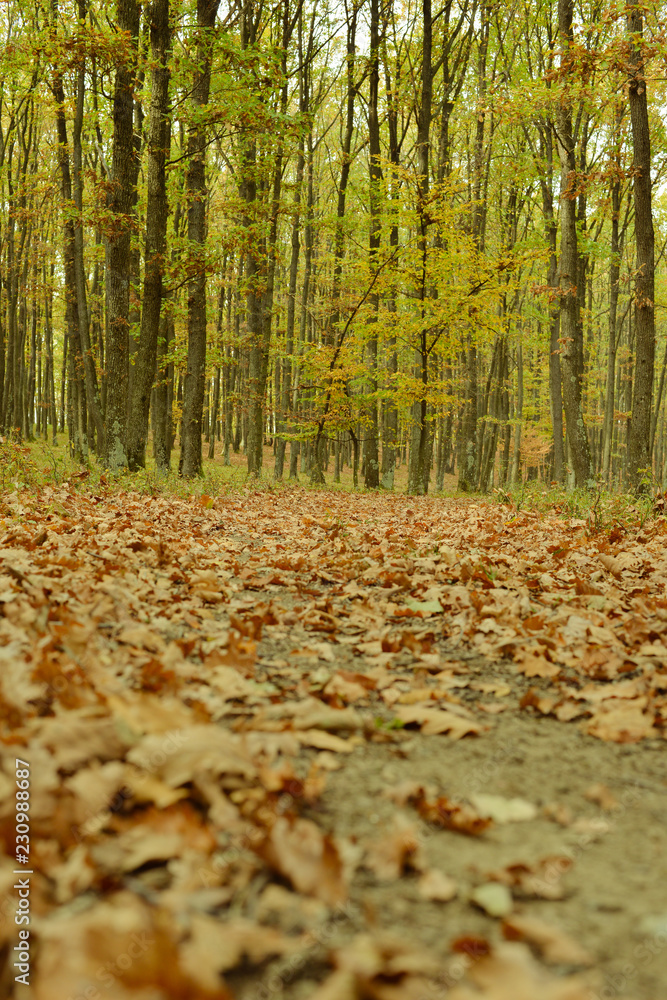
point(39, 463)
point(600, 508)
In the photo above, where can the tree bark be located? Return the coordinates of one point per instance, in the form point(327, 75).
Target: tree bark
point(569, 304)
point(421, 435)
point(157, 210)
point(193, 392)
point(614, 276)
point(89, 369)
point(551, 233)
point(468, 444)
point(118, 251)
point(639, 440)
point(390, 410)
point(72, 361)
point(371, 456)
point(333, 324)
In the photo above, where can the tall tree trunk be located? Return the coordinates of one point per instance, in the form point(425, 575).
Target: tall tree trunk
point(551, 233)
point(468, 444)
point(163, 430)
point(72, 361)
point(89, 370)
point(253, 278)
point(195, 378)
point(371, 457)
point(614, 276)
point(332, 332)
point(390, 410)
point(421, 435)
point(639, 440)
point(122, 192)
point(257, 407)
point(215, 408)
point(569, 304)
point(157, 209)
point(518, 417)
point(286, 386)
point(254, 265)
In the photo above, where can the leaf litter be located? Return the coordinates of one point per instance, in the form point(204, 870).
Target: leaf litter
point(187, 678)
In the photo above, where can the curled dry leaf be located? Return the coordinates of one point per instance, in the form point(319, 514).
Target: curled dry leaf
point(409, 790)
point(555, 946)
point(179, 756)
point(541, 880)
point(435, 720)
point(390, 855)
point(536, 665)
point(307, 714)
point(510, 972)
point(621, 722)
point(157, 835)
point(297, 849)
point(121, 944)
point(602, 796)
point(214, 946)
point(322, 740)
point(379, 967)
point(458, 816)
point(345, 687)
point(80, 736)
point(437, 886)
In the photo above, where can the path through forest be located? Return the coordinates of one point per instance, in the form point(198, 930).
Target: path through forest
point(285, 743)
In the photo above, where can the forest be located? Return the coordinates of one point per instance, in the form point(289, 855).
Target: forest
point(333, 500)
point(354, 234)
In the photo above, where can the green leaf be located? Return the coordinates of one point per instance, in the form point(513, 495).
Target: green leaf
point(429, 607)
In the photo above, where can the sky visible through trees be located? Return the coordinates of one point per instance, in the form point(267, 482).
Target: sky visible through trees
point(367, 234)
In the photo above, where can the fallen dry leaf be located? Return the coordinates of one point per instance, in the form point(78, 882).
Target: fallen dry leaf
point(435, 885)
point(502, 810)
point(554, 945)
point(541, 880)
point(434, 721)
point(389, 855)
point(183, 673)
point(493, 898)
point(381, 967)
point(300, 851)
point(602, 796)
point(458, 816)
point(511, 973)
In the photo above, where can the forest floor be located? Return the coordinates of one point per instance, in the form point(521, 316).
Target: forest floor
point(328, 746)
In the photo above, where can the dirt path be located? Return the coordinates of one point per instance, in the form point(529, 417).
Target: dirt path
point(308, 745)
point(598, 840)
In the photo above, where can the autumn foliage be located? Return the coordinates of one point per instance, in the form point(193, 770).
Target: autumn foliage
point(185, 677)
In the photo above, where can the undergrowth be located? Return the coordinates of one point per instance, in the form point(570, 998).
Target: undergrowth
point(600, 509)
point(38, 464)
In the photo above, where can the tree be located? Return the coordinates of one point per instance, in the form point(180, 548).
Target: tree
point(122, 195)
point(371, 456)
point(639, 440)
point(157, 210)
point(195, 375)
point(570, 329)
